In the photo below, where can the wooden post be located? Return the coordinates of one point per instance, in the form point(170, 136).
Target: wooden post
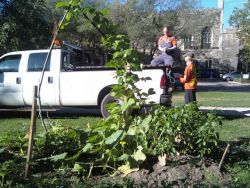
point(223, 156)
point(31, 131)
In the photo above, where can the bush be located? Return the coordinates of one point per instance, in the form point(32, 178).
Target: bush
point(185, 130)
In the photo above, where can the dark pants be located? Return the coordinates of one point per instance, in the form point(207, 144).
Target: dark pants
point(190, 95)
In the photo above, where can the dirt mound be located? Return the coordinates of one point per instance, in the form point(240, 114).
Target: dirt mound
point(181, 171)
point(178, 172)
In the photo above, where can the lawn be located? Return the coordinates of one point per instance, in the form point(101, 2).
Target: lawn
point(218, 99)
point(232, 129)
point(235, 129)
point(15, 123)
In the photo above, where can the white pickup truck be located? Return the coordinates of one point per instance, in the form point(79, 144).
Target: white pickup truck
point(69, 80)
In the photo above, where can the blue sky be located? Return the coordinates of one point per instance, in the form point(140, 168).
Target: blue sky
point(229, 6)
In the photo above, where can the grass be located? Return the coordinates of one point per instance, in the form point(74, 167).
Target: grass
point(234, 129)
point(14, 123)
point(217, 99)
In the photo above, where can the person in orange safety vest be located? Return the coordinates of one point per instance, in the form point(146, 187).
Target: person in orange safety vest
point(189, 79)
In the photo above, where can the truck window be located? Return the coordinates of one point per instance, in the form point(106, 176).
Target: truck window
point(75, 60)
point(36, 62)
point(10, 63)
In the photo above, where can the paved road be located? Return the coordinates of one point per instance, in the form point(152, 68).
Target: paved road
point(223, 86)
point(227, 111)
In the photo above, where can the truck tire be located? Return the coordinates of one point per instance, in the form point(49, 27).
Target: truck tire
point(106, 100)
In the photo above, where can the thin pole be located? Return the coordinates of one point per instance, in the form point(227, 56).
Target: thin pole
point(31, 131)
point(223, 156)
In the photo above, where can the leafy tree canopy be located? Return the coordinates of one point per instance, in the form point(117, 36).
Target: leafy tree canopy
point(24, 25)
point(241, 19)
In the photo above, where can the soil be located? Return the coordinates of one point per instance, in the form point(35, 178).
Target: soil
point(181, 171)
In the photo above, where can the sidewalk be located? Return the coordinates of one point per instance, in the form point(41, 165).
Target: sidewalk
point(227, 111)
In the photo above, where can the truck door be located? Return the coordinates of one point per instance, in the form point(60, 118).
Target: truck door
point(48, 94)
point(10, 81)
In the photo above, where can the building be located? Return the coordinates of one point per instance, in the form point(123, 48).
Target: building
point(214, 48)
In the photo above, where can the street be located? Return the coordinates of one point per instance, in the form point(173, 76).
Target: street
point(223, 86)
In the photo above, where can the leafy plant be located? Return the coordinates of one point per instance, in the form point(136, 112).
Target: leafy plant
point(184, 130)
point(15, 141)
point(122, 140)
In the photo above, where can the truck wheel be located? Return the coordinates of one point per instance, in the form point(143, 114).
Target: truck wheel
point(106, 100)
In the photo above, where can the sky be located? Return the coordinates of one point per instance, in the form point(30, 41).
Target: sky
point(229, 6)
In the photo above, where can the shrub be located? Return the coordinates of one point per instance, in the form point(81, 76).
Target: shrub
point(185, 130)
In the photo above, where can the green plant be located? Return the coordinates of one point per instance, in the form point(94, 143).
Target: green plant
point(116, 140)
point(239, 174)
point(122, 140)
point(184, 130)
point(15, 141)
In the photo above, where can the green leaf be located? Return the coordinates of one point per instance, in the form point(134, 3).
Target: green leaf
point(146, 121)
point(87, 147)
point(126, 169)
point(123, 157)
point(114, 138)
point(105, 11)
point(58, 157)
point(77, 168)
point(69, 16)
point(75, 2)
point(132, 131)
point(151, 91)
point(139, 155)
point(125, 105)
point(62, 4)
point(55, 157)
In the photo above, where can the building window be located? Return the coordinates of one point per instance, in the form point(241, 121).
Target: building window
point(188, 42)
point(206, 38)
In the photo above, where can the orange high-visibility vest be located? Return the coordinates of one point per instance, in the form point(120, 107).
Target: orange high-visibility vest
point(189, 79)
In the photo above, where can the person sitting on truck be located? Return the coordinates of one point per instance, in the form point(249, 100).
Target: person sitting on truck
point(189, 79)
point(166, 45)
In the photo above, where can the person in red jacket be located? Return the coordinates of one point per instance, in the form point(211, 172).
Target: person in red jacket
point(189, 79)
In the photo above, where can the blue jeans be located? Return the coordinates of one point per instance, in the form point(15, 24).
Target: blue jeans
point(190, 95)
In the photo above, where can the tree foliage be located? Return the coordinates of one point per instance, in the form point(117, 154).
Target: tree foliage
point(241, 19)
point(141, 20)
point(24, 25)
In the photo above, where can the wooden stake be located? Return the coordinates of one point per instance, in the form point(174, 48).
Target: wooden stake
point(223, 156)
point(32, 130)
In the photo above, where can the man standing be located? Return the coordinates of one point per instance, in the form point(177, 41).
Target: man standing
point(189, 80)
point(166, 44)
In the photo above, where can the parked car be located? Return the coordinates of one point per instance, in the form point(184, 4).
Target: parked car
point(232, 75)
